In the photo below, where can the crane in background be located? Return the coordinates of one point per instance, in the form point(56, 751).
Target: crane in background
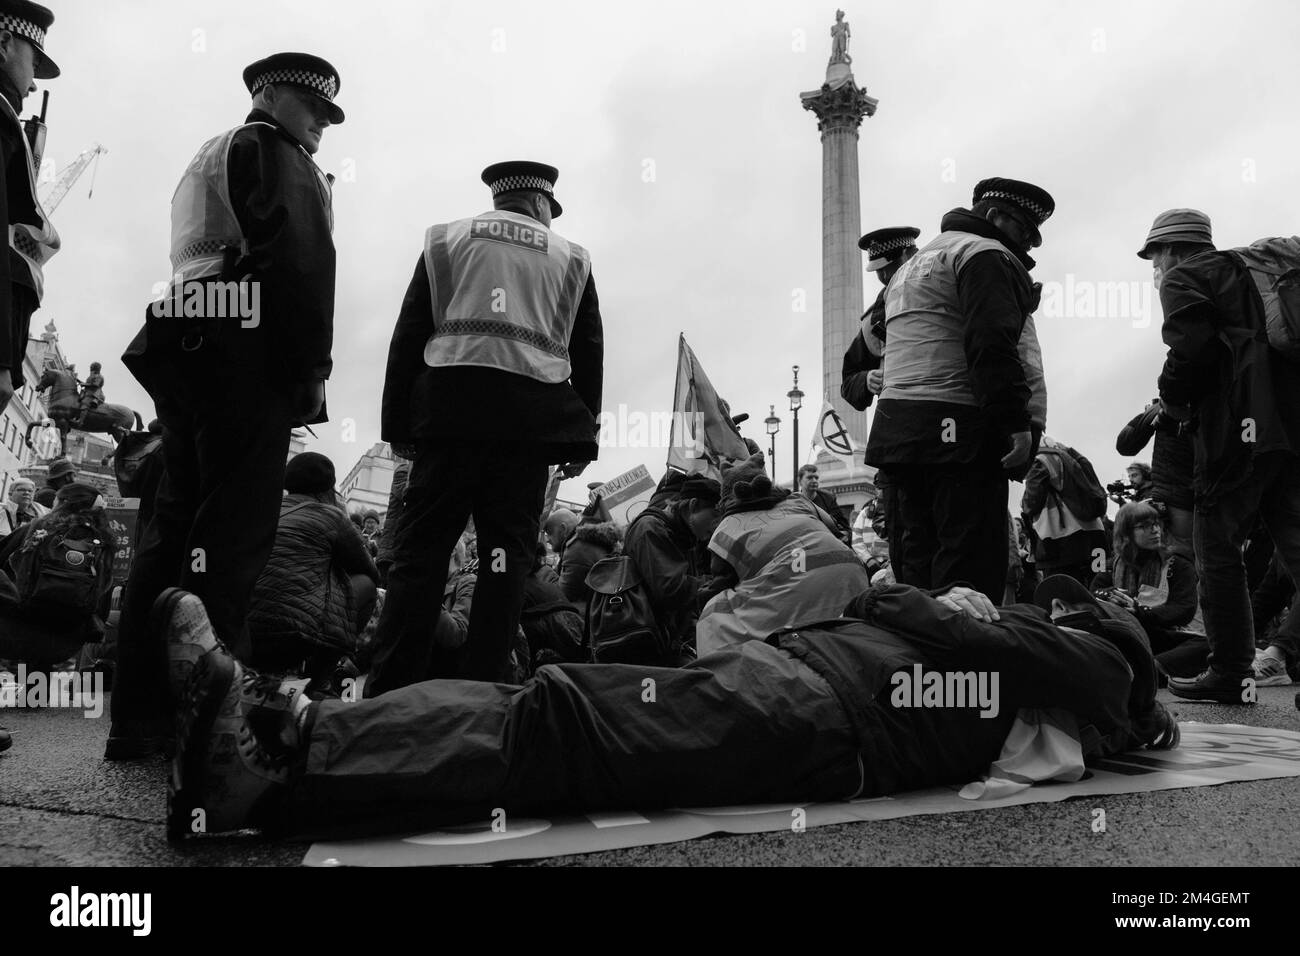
point(68, 176)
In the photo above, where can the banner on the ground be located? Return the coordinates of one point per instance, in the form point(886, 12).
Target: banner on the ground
point(1209, 755)
point(832, 436)
point(702, 433)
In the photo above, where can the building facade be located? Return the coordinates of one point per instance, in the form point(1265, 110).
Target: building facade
point(368, 484)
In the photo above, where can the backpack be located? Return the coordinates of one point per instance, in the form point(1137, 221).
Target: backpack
point(1274, 264)
point(57, 569)
point(132, 452)
point(622, 627)
point(1081, 492)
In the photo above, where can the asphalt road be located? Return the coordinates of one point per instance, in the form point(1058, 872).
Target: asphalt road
point(61, 804)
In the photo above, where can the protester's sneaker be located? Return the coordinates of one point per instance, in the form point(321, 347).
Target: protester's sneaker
point(1211, 685)
point(1269, 671)
point(181, 619)
point(6, 741)
point(236, 738)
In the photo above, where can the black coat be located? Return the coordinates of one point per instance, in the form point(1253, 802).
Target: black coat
point(1220, 364)
point(860, 361)
point(550, 423)
point(17, 294)
point(284, 214)
point(1171, 459)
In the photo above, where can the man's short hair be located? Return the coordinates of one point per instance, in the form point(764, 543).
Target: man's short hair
point(806, 470)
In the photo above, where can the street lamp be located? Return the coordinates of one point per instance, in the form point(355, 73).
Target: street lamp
point(773, 426)
point(796, 403)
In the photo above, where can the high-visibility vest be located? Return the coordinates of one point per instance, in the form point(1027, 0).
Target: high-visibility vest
point(925, 354)
point(505, 292)
point(35, 244)
point(204, 223)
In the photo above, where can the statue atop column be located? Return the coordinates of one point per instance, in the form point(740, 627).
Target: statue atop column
point(840, 34)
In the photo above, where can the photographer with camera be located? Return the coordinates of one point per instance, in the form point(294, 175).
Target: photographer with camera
point(1157, 585)
point(1169, 476)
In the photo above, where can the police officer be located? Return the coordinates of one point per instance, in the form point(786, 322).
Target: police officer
point(32, 239)
point(494, 372)
point(862, 376)
point(253, 213)
point(955, 419)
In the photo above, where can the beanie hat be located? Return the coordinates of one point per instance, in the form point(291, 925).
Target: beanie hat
point(746, 480)
point(309, 474)
point(701, 488)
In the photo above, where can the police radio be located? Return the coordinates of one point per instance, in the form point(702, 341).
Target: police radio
point(36, 130)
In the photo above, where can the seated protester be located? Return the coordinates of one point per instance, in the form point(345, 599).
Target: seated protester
point(810, 488)
point(595, 537)
point(58, 571)
point(21, 507)
point(663, 546)
point(319, 585)
point(553, 627)
point(811, 715)
point(1277, 655)
point(558, 528)
point(1158, 587)
point(785, 554)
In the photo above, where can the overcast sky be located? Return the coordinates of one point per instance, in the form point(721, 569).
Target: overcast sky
point(689, 169)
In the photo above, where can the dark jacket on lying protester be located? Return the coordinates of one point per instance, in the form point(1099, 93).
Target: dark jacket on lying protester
point(303, 595)
point(995, 297)
point(589, 543)
point(1220, 364)
point(1172, 458)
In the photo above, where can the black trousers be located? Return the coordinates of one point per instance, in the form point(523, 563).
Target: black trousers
point(950, 525)
point(225, 444)
point(447, 485)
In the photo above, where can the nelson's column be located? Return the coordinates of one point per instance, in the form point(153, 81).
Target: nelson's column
point(840, 106)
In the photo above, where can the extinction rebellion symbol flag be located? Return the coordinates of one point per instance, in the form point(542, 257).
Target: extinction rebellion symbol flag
point(834, 437)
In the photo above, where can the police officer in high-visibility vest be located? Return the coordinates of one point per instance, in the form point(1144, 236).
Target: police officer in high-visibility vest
point(234, 354)
point(963, 402)
point(494, 372)
point(32, 239)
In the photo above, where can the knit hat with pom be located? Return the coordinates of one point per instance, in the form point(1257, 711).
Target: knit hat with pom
point(746, 486)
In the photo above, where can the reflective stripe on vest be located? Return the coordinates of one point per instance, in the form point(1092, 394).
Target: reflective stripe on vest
point(35, 244)
point(204, 223)
point(925, 331)
point(505, 293)
point(752, 540)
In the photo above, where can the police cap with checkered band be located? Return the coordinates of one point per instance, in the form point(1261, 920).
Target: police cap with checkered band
point(884, 246)
point(519, 175)
point(31, 22)
point(307, 72)
point(1031, 200)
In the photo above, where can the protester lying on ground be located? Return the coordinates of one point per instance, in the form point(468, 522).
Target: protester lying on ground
point(1065, 506)
point(787, 559)
point(550, 622)
point(317, 590)
point(1277, 656)
point(1170, 472)
point(58, 570)
point(663, 547)
point(594, 538)
point(813, 715)
point(1158, 586)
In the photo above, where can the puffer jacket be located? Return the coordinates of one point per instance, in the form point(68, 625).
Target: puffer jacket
point(303, 592)
point(589, 543)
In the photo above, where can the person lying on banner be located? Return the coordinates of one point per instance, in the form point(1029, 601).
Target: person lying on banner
point(786, 557)
point(815, 714)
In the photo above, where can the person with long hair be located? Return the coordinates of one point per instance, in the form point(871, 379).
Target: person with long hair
point(1158, 586)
